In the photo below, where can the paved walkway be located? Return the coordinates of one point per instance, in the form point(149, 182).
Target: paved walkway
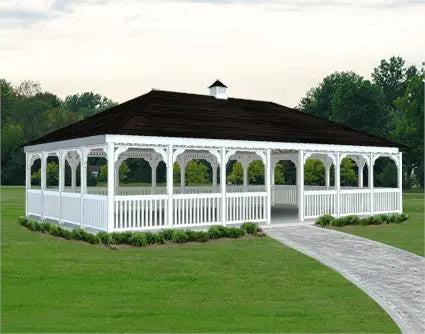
point(391, 276)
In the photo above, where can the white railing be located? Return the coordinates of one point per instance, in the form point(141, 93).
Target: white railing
point(34, 202)
point(196, 209)
point(140, 212)
point(319, 202)
point(95, 212)
point(145, 212)
point(239, 188)
point(51, 208)
point(386, 200)
point(243, 207)
point(355, 201)
point(196, 190)
point(162, 190)
point(284, 194)
point(71, 203)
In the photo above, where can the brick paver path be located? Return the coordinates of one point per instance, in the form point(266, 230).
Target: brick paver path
point(391, 276)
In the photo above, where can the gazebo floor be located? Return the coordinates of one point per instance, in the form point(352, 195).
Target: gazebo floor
point(285, 215)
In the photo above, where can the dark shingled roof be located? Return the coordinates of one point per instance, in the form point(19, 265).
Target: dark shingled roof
point(172, 114)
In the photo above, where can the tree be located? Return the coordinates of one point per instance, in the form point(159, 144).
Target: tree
point(256, 172)
point(28, 88)
point(103, 173)
point(314, 173)
point(7, 95)
point(87, 104)
point(28, 112)
point(348, 99)
point(391, 75)
point(196, 173)
point(279, 173)
point(408, 129)
point(236, 175)
point(348, 173)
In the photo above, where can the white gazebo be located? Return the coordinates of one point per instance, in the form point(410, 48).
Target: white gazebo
point(172, 127)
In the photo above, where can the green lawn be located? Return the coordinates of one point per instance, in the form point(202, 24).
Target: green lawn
point(54, 285)
point(408, 236)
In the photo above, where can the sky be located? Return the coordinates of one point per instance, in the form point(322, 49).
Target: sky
point(267, 50)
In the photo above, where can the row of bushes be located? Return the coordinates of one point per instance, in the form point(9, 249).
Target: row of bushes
point(142, 239)
point(328, 220)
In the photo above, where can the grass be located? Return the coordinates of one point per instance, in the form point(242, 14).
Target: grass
point(258, 285)
point(408, 236)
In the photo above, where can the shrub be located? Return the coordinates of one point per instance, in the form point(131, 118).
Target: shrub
point(376, 220)
point(167, 234)
point(151, 238)
point(201, 236)
point(352, 220)
point(138, 239)
point(45, 227)
point(31, 225)
point(92, 238)
point(121, 238)
point(54, 230)
point(250, 228)
point(215, 232)
point(77, 234)
point(197, 236)
point(404, 217)
point(325, 220)
point(141, 239)
point(233, 232)
point(105, 238)
point(179, 236)
point(159, 238)
point(338, 222)
point(66, 234)
point(385, 219)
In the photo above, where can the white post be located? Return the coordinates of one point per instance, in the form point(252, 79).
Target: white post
point(182, 177)
point(273, 181)
point(73, 166)
point(338, 183)
point(214, 176)
point(170, 185)
point(245, 176)
point(83, 182)
point(154, 165)
point(400, 181)
point(117, 175)
point(223, 185)
point(111, 185)
point(268, 169)
point(328, 174)
point(300, 185)
point(360, 168)
point(370, 183)
point(43, 181)
point(61, 159)
point(27, 180)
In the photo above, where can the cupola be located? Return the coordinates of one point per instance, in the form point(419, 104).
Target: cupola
point(218, 90)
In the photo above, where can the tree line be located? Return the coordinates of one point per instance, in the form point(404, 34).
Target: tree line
point(390, 105)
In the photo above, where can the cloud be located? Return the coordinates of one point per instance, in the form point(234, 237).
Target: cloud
point(304, 4)
point(260, 49)
point(22, 15)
